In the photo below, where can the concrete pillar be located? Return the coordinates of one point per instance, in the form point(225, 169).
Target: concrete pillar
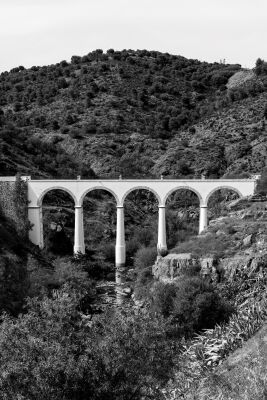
point(203, 218)
point(120, 253)
point(78, 231)
point(162, 244)
point(36, 221)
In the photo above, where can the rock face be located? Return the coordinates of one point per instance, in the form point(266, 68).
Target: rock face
point(168, 269)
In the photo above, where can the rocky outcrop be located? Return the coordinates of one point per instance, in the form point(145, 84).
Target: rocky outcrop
point(168, 269)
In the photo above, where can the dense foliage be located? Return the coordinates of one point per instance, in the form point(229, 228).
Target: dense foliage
point(125, 106)
point(192, 304)
point(139, 114)
point(13, 272)
point(53, 353)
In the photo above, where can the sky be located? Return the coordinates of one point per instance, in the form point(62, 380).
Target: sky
point(43, 32)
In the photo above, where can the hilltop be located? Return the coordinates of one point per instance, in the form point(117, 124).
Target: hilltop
point(139, 113)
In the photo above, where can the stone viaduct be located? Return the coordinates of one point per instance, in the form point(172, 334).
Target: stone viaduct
point(120, 188)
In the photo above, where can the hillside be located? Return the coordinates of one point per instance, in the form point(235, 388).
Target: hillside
point(227, 361)
point(139, 113)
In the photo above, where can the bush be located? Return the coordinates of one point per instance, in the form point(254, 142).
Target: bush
point(145, 257)
point(52, 353)
point(192, 304)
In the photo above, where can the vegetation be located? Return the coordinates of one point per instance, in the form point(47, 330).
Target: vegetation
point(145, 112)
point(14, 277)
point(139, 114)
point(192, 304)
point(116, 356)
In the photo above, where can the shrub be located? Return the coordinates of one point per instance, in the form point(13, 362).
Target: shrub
point(52, 353)
point(197, 306)
point(145, 257)
point(75, 133)
point(131, 248)
point(192, 304)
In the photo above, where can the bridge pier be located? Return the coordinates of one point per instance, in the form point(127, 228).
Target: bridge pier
point(120, 251)
point(36, 231)
point(203, 218)
point(79, 231)
point(162, 244)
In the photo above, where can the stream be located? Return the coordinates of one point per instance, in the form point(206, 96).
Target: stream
point(110, 294)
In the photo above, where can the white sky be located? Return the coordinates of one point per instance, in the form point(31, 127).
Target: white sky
point(42, 32)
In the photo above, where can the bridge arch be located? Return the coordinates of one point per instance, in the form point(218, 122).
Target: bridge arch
point(103, 188)
point(223, 187)
point(141, 188)
point(50, 189)
point(183, 188)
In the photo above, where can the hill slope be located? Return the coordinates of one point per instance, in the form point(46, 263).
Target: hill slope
point(139, 113)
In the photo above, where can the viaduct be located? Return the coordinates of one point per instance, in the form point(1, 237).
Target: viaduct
point(120, 188)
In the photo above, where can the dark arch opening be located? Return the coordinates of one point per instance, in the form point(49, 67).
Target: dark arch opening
point(182, 216)
point(219, 201)
point(58, 222)
point(99, 218)
point(141, 228)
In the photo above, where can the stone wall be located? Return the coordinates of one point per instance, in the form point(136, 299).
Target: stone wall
point(13, 202)
point(7, 202)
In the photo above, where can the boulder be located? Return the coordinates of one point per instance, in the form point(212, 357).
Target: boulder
point(247, 241)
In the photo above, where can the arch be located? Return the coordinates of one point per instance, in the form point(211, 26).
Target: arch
point(222, 188)
point(98, 188)
point(42, 195)
point(183, 188)
point(141, 188)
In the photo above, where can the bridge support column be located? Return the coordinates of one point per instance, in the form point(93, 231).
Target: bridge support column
point(203, 218)
point(78, 231)
point(36, 232)
point(120, 253)
point(162, 245)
